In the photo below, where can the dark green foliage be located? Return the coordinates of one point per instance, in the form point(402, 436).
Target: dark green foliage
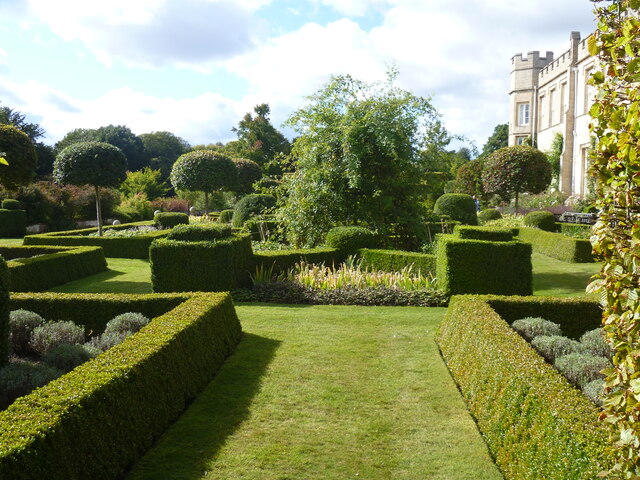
point(165, 220)
point(457, 206)
point(543, 220)
point(491, 234)
point(532, 327)
point(535, 424)
point(478, 266)
point(126, 322)
point(48, 336)
point(203, 171)
point(162, 149)
point(43, 267)
point(66, 357)
point(251, 206)
point(20, 153)
point(13, 223)
point(206, 266)
point(21, 325)
point(498, 139)
point(554, 346)
point(350, 239)
point(558, 246)
point(21, 378)
point(396, 260)
point(226, 216)
point(283, 260)
point(4, 312)
point(112, 409)
point(469, 178)
point(119, 247)
point(582, 368)
point(488, 214)
point(200, 232)
point(249, 172)
point(11, 204)
point(90, 163)
point(264, 228)
point(594, 343)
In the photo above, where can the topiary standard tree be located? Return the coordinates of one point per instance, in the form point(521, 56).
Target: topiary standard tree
point(204, 171)
point(91, 163)
point(20, 157)
point(511, 171)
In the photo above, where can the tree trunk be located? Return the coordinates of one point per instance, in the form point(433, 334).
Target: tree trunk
point(516, 202)
point(206, 203)
point(98, 210)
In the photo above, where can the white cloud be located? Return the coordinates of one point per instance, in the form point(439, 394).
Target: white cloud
point(354, 8)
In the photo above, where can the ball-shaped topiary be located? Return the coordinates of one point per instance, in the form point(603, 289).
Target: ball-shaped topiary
point(554, 346)
point(542, 220)
point(582, 368)
point(594, 342)
point(350, 239)
point(226, 216)
point(126, 322)
point(48, 336)
point(458, 206)
point(11, 204)
point(251, 206)
point(66, 357)
point(21, 324)
point(167, 220)
point(531, 327)
point(19, 151)
point(488, 214)
point(248, 173)
point(106, 340)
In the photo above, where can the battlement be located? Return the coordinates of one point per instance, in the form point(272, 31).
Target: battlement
point(532, 60)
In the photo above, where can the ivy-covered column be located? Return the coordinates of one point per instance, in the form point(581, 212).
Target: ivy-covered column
point(616, 165)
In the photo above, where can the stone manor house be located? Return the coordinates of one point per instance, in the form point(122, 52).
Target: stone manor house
point(550, 96)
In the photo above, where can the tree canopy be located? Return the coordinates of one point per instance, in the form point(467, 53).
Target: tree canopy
point(20, 155)
point(162, 149)
point(498, 139)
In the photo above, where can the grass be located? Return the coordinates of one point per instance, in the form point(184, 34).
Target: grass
point(561, 279)
point(327, 393)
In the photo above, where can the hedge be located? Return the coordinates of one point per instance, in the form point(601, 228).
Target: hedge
point(170, 219)
point(350, 239)
point(213, 266)
point(13, 223)
point(283, 260)
point(396, 260)
point(535, 423)
point(51, 267)
point(491, 234)
point(118, 247)
point(100, 418)
point(478, 266)
point(558, 246)
point(4, 312)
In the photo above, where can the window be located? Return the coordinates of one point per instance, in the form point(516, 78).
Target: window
point(523, 114)
point(521, 140)
point(542, 119)
point(563, 101)
point(552, 107)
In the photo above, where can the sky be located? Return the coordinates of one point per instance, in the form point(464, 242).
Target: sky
point(195, 67)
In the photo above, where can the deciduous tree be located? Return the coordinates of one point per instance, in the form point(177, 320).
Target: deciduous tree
point(20, 157)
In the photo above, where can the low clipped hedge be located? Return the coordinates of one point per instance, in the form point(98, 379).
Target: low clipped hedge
point(100, 418)
point(490, 234)
point(170, 219)
point(207, 266)
point(118, 247)
point(541, 219)
point(4, 311)
point(38, 268)
point(557, 245)
point(537, 426)
point(283, 260)
point(200, 232)
point(13, 223)
point(396, 260)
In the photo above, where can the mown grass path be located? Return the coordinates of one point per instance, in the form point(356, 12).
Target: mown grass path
point(327, 392)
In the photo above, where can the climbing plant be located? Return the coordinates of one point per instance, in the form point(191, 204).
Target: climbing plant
point(616, 167)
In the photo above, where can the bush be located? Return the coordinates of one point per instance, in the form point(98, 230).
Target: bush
point(582, 368)
point(4, 311)
point(396, 260)
point(226, 216)
point(458, 206)
point(594, 342)
point(126, 322)
point(21, 325)
point(107, 340)
point(349, 240)
point(249, 172)
point(19, 151)
point(21, 378)
point(543, 220)
point(558, 246)
point(594, 391)
point(66, 357)
point(165, 220)
point(488, 214)
point(204, 232)
point(490, 234)
point(52, 334)
point(11, 204)
point(554, 346)
point(251, 206)
point(532, 327)
point(134, 209)
point(13, 223)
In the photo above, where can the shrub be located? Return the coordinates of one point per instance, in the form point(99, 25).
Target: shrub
point(594, 342)
point(488, 214)
point(543, 220)
point(13, 223)
point(458, 206)
point(349, 240)
point(581, 368)
point(251, 206)
point(4, 311)
point(554, 346)
point(21, 325)
point(557, 245)
point(19, 151)
point(202, 232)
point(490, 234)
point(531, 327)
point(165, 220)
point(48, 336)
point(107, 340)
point(134, 209)
point(249, 172)
point(226, 216)
point(20, 378)
point(396, 260)
point(66, 357)
point(127, 322)
point(594, 391)
point(11, 204)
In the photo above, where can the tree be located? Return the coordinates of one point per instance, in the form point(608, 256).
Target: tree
point(204, 171)
point(498, 139)
point(555, 154)
point(146, 181)
point(511, 171)
point(358, 161)
point(20, 157)
point(469, 179)
point(162, 149)
point(249, 172)
point(91, 163)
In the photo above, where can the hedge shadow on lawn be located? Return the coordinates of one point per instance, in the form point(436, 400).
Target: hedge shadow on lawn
point(187, 447)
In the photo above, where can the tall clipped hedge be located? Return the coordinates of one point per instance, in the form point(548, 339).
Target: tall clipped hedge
point(458, 206)
point(13, 223)
point(4, 312)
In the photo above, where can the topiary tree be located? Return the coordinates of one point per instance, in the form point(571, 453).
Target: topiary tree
point(351, 239)
point(469, 179)
point(251, 206)
point(91, 163)
point(248, 173)
point(20, 157)
point(511, 171)
point(204, 171)
point(542, 220)
point(458, 206)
